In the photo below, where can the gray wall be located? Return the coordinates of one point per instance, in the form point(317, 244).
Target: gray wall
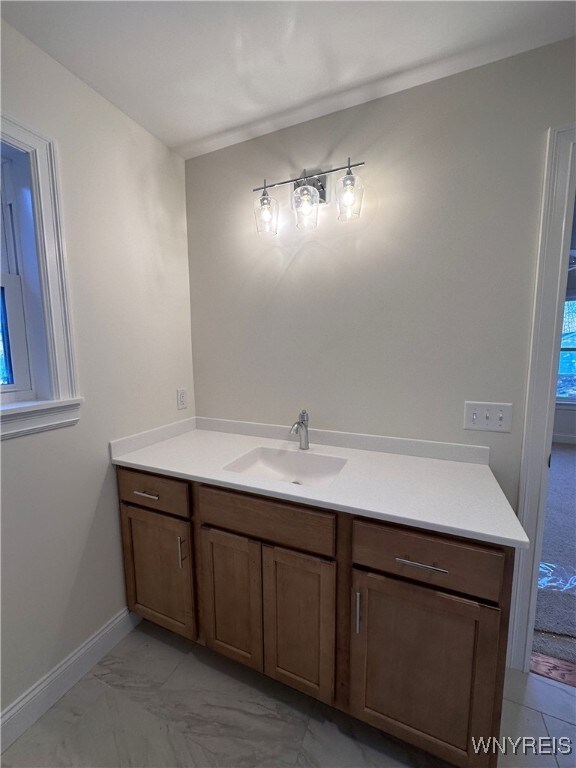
point(387, 325)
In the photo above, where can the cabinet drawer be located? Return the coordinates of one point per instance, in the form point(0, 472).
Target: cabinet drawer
point(467, 568)
point(286, 524)
point(161, 493)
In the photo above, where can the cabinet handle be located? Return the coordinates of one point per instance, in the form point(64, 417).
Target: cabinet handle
point(402, 561)
point(357, 617)
point(179, 539)
point(146, 495)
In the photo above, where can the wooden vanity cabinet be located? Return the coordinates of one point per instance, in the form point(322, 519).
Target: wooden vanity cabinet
point(157, 550)
point(403, 628)
point(267, 606)
point(427, 661)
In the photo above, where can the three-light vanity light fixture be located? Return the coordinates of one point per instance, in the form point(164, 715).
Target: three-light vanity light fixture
point(309, 192)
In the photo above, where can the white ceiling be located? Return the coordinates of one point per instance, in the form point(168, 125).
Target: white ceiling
point(204, 75)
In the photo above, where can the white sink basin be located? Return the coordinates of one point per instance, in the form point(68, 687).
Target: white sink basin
point(290, 466)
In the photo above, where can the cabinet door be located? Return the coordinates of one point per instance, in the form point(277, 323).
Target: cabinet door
point(232, 574)
point(158, 568)
point(423, 665)
point(299, 620)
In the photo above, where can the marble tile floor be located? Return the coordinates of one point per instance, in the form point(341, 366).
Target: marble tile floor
point(159, 701)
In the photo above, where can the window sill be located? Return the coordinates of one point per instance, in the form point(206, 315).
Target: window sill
point(38, 416)
point(566, 403)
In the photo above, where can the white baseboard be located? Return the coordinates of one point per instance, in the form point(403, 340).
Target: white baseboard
point(38, 699)
point(566, 439)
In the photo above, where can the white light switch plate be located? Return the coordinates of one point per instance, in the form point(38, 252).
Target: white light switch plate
point(488, 417)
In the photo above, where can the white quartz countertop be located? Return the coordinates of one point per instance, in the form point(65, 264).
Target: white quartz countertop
point(456, 497)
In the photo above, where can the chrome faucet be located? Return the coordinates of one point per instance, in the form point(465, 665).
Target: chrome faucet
point(300, 428)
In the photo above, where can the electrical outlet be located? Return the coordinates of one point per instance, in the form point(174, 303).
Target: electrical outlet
point(181, 399)
point(488, 417)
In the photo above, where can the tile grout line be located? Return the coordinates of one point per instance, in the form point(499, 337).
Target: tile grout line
point(560, 719)
point(549, 736)
point(534, 709)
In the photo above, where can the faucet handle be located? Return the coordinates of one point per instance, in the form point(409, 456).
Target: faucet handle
point(303, 417)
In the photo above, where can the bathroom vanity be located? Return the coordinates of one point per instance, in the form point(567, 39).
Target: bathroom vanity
point(399, 620)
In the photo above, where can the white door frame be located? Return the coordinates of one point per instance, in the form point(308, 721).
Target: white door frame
point(550, 293)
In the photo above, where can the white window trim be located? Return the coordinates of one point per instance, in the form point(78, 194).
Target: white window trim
point(63, 407)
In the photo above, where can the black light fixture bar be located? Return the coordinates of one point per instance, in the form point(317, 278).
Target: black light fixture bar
point(309, 176)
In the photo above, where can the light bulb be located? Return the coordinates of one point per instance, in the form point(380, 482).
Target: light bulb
point(266, 213)
point(306, 206)
point(348, 196)
point(306, 199)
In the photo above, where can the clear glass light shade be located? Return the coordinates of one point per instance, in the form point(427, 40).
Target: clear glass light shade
point(266, 213)
point(306, 200)
point(349, 192)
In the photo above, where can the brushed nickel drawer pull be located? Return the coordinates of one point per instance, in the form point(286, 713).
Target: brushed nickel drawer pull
point(147, 495)
point(402, 561)
point(179, 551)
point(357, 621)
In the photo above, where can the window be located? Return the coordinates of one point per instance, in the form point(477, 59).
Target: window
point(6, 372)
point(15, 362)
point(37, 374)
point(567, 365)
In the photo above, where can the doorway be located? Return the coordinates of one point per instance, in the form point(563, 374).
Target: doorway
point(554, 646)
point(553, 259)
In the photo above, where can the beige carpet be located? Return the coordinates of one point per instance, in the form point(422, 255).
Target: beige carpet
point(555, 626)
